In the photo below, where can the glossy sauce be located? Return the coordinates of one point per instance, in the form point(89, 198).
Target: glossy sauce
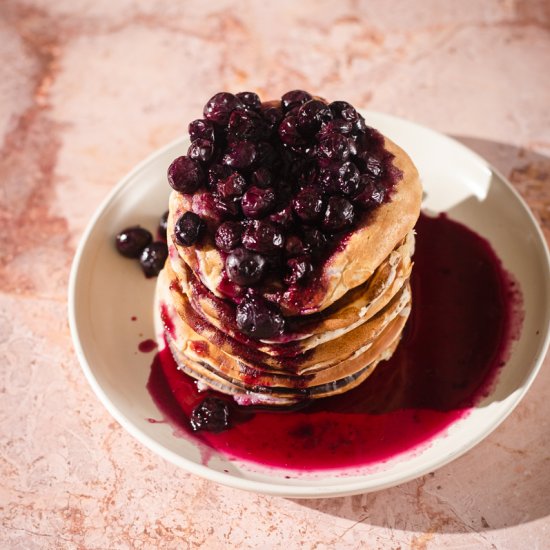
point(466, 313)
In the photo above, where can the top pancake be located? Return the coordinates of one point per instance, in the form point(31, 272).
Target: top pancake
point(349, 266)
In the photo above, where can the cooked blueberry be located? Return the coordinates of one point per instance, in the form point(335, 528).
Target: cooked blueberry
point(206, 206)
point(211, 415)
point(294, 98)
point(342, 109)
point(294, 246)
point(257, 202)
point(272, 114)
point(349, 179)
point(240, 155)
point(334, 147)
point(311, 115)
point(266, 155)
point(228, 207)
point(372, 194)
point(201, 150)
point(263, 236)
point(244, 267)
point(228, 236)
point(283, 217)
point(246, 125)
point(188, 229)
point(249, 99)
point(261, 178)
point(152, 258)
point(298, 269)
point(216, 173)
point(201, 129)
point(163, 226)
point(259, 318)
point(220, 106)
point(339, 214)
point(374, 166)
point(185, 175)
point(336, 126)
point(132, 240)
point(232, 186)
point(314, 241)
point(308, 204)
point(289, 133)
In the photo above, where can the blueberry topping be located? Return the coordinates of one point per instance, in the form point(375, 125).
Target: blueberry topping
point(211, 415)
point(201, 129)
point(244, 267)
point(311, 115)
point(152, 258)
point(294, 246)
point(186, 175)
point(219, 108)
point(259, 318)
point(228, 236)
point(246, 125)
point(201, 150)
point(263, 236)
point(241, 154)
point(314, 242)
point(339, 214)
point(308, 204)
point(334, 147)
point(132, 240)
point(188, 229)
point(232, 186)
point(257, 202)
point(293, 99)
point(249, 100)
point(298, 269)
point(261, 178)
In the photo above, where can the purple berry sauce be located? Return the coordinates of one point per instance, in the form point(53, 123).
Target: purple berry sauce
point(466, 314)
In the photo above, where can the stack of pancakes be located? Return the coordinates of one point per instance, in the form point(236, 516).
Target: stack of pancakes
point(338, 329)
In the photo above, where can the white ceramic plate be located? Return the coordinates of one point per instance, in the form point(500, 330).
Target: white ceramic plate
point(105, 291)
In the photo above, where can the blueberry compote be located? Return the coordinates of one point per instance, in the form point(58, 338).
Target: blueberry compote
point(466, 313)
point(280, 185)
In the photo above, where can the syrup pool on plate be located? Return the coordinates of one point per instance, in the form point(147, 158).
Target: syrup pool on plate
point(466, 314)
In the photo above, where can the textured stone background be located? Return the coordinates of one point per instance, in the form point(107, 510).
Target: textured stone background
point(90, 87)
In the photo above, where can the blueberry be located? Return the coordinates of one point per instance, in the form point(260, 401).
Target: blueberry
point(244, 267)
point(259, 318)
point(216, 173)
point(374, 166)
point(152, 258)
point(335, 126)
point(290, 134)
point(201, 129)
point(188, 229)
point(372, 194)
point(266, 155)
point(298, 269)
point(261, 177)
point(294, 246)
point(219, 107)
point(263, 236)
point(185, 175)
point(201, 150)
point(241, 154)
point(132, 240)
point(228, 236)
point(294, 98)
point(342, 109)
point(246, 125)
point(282, 217)
point(334, 147)
point(311, 115)
point(349, 179)
point(211, 415)
point(257, 202)
point(314, 241)
point(232, 186)
point(308, 204)
point(249, 100)
point(339, 214)
point(272, 114)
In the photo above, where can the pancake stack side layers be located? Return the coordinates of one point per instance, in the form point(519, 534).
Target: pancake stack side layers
point(290, 238)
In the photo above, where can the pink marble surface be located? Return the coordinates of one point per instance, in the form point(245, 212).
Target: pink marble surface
point(87, 89)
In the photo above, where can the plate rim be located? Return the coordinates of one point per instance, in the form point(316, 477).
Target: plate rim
point(259, 486)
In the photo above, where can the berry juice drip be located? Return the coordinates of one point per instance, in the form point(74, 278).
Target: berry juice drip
point(465, 315)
